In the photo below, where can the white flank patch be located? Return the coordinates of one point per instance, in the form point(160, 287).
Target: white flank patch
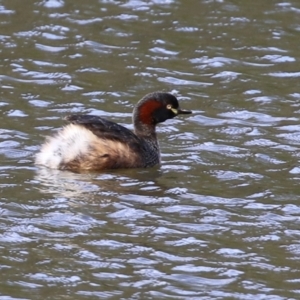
point(66, 145)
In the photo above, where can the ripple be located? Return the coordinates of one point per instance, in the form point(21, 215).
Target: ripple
point(261, 143)
point(53, 3)
point(227, 75)
point(30, 81)
point(87, 21)
point(40, 103)
point(3, 10)
point(55, 279)
point(278, 58)
point(215, 62)
point(161, 50)
point(13, 237)
point(229, 252)
point(177, 81)
point(285, 74)
point(16, 113)
point(248, 115)
point(51, 36)
point(187, 29)
point(48, 48)
point(230, 175)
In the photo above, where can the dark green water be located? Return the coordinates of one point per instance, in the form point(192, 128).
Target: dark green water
point(220, 218)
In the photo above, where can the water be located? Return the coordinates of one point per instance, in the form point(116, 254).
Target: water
point(219, 219)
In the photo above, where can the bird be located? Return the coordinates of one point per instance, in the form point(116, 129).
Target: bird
point(93, 143)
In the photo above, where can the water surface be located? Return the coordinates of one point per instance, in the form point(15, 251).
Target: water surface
point(219, 219)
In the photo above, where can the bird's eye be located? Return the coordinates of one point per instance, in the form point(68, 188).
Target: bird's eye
point(169, 106)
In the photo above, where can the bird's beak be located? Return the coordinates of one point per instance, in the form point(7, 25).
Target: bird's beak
point(180, 111)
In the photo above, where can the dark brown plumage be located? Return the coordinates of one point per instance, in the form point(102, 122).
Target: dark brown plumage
point(93, 143)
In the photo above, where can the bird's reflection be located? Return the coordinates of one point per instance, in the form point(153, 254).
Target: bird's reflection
point(92, 186)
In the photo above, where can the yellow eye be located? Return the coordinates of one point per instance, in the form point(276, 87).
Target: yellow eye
point(169, 106)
